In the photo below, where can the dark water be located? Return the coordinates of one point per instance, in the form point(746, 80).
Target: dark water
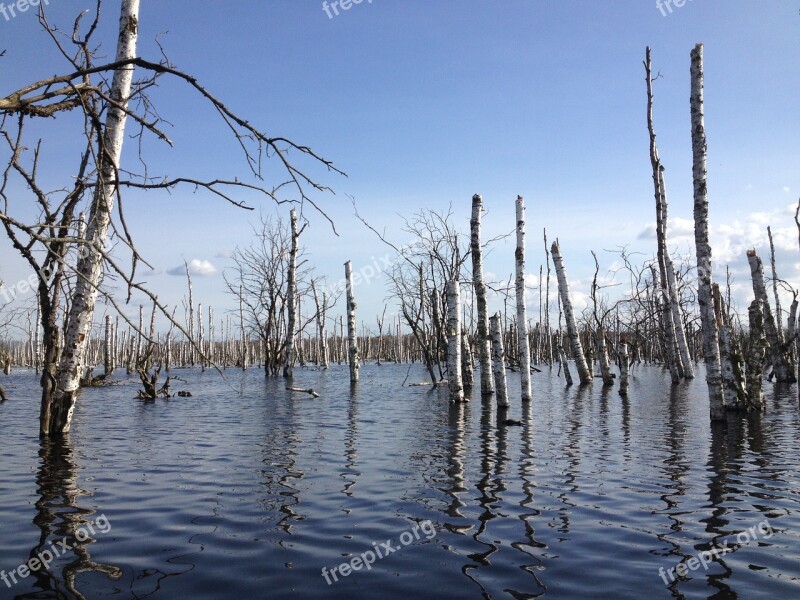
point(248, 491)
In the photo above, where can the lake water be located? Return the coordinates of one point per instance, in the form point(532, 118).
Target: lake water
point(248, 491)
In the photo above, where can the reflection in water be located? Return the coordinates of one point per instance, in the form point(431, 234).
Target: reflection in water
point(63, 524)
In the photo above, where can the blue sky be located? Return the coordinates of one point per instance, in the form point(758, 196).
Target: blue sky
point(424, 103)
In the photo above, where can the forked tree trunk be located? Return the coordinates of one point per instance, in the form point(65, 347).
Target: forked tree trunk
point(352, 341)
point(58, 404)
point(584, 374)
point(291, 300)
point(498, 362)
point(323, 340)
point(523, 344)
point(482, 337)
point(703, 248)
point(780, 367)
point(454, 384)
point(756, 357)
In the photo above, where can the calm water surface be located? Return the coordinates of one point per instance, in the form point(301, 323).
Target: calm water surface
point(248, 491)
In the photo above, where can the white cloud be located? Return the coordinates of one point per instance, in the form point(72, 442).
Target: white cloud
point(201, 268)
point(786, 189)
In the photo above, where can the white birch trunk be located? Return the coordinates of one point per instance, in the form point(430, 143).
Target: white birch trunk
point(454, 384)
point(703, 248)
point(56, 416)
point(584, 374)
point(291, 300)
point(482, 337)
point(523, 344)
point(352, 341)
point(323, 340)
point(756, 357)
point(466, 364)
point(498, 361)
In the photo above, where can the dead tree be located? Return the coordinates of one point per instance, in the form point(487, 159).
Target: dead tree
point(702, 246)
point(49, 244)
point(352, 341)
point(454, 384)
point(584, 374)
point(523, 343)
point(777, 356)
point(756, 357)
point(482, 334)
point(291, 297)
point(498, 361)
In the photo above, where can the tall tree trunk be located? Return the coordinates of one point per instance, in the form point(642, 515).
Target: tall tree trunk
point(730, 356)
point(498, 361)
point(352, 341)
point(584, 374)
point(602, 353)
point(624, 368)
point(454, 384)
point(523, 344)
point(778, 311)
point(107, 348)
point(323, 340)
point(777, 357)
point(680, 333)
point(703, 248)
point(56, 416)
point(482, 337)
point(291, 300)
point(673, 359)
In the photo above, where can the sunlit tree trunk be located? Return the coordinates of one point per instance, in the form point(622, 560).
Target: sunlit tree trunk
point(56, 415)
point(680, 333)
point(352, 341)
point(733, 385)
point(482, 337)
point(291, 300)
point(454, 384)
point(703, 248)
point(323, 339)
point(523, 344)
point(466, 364)
point(584, 374)
point(498, 361)
point(108, 350)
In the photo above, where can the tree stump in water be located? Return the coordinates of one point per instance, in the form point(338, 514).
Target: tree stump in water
point(3, 396)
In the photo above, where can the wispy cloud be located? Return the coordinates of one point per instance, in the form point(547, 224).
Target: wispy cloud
point(201, 268)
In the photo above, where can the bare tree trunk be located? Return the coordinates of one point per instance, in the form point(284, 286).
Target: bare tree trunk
point(56, 416)
point(624, 368)
point(778, 311)
point(454, 385)
point(523, 344)
point(777, 358)
point(756, 357)
point(466, 363)
point(680, 333)
point(243, 339)
point(673, 360)
point(352, 342)
point(602, 353)
point(584, 374)
point(107, 348)
point(703, 248)
point(190, 318)
point(291, 300)
point(498, 361)
point(547, 331)
point(482, 337)
point(730, 357)
point(323, 340)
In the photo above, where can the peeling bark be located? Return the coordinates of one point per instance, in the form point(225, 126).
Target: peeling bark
point(756, 357)
point(466, 363)
point(291, 300)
